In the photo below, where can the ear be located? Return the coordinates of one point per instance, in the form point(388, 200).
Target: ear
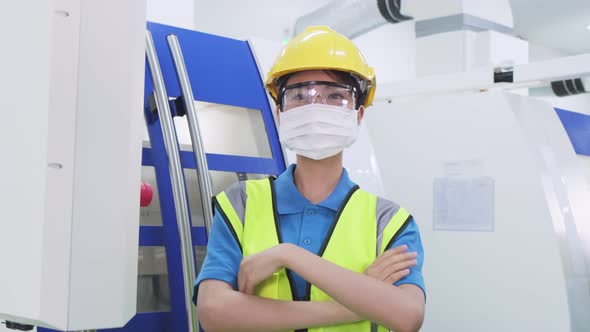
point(361, 114)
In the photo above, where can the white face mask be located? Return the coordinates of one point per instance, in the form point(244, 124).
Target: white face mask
point(318, 131)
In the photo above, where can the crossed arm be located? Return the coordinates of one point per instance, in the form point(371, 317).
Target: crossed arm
point(357, 296)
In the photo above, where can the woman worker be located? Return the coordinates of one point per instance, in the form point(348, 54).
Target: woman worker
point(310, 250)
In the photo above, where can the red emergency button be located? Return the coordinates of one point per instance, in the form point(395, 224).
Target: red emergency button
point(147, 193)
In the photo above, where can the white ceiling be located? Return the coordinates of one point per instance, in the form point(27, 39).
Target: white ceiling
point(261, 18)
point(559, 24)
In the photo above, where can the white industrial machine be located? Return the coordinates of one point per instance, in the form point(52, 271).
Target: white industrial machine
point(497, 189)
point(72, 101)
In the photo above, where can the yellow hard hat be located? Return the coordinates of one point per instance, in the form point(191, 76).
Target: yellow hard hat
point(319, 47)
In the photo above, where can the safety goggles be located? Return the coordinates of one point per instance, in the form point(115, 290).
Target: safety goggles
point(305, 93)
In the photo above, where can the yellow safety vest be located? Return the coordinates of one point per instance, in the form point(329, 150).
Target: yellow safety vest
point(351, 241)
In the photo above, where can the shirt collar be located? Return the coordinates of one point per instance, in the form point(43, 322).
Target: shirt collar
point(290, 200)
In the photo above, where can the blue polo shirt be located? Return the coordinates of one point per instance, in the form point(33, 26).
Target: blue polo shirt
point(302, 223)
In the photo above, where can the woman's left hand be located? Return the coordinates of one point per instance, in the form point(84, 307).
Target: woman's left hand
point(257, 268)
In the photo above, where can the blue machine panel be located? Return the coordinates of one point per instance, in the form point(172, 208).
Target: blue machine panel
point(221, 70)
point(577, 126)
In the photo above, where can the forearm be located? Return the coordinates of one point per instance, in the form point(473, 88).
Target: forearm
point(372, 299)
point(223, 309)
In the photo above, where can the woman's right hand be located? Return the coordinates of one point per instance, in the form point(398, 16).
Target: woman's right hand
point(392, 265)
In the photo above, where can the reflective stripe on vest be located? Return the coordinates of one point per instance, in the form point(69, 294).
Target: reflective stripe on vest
point(351, 241)
point(229, 215)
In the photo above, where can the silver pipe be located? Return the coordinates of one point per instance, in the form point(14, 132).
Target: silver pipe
point(195, 131)
point(177, 176)
point(343, 16)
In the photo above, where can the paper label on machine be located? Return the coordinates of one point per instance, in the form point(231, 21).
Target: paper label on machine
point(463, 199)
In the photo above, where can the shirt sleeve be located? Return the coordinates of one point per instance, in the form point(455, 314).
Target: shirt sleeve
point(223, 258)
point(410, 236)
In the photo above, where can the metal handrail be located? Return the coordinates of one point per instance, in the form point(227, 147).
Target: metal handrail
point(178, 184)
point(195, 131)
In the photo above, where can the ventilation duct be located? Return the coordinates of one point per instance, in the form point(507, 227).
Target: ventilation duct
point(353, 18)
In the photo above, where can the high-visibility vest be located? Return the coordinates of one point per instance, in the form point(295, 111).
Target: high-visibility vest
point(362, 229)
